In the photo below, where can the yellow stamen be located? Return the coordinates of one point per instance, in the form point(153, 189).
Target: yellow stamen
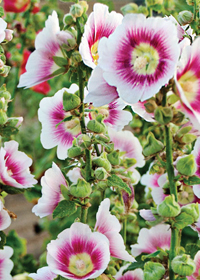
point(94, 52)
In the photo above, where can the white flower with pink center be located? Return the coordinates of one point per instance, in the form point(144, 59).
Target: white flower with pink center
point(3, 26)
point(136, 274)
point(114, 115)
point(6, 265)
point(109, 225)
point(51, 192)
point(40, 66)
point(150, 240)
point(78, 253)
point(187, 82)
point(140, 110)
point(100, 24)
point(5, 219)
point(43, 273)
point(14, 167)
point(53, 134)
point(140, 56)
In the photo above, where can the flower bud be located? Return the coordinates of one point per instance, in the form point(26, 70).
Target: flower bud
point(128, 199)
point(76, 58)
point(192, 210)
point(5, 94)
point(185, 17)
point(100, 173)
point(183, 265)
point(178, 118)
point(150, 106)
point(3, 103)
point(113, 158)
point(111, 270)
point(129, 8)
point(102, 161)
point(70, 101)
point(84, 141)
point(153, 271)
point(186, 165)
point(3, 117)
point(76, 10)
point(95, 126)
point(84, 5)
point(128, 162)
point(5, 71)
point(169, 207)
point(82, 189)
point(109, 148)
point(163, 115)
point(74, 152)
point(14, 122)
point(143, 10)
point(103, 137)
point(68, 19)
point(153, 146)
point(102, 185)
point(8, 35)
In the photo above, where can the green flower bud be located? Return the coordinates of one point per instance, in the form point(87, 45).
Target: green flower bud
point(102, 185)
point(183, 131)
point(76, 58)
point(84, 5)
point(150, 106)
point(111, 270)
point(153, 146)
point(3, 104)
point(169, 207)
point(70, 101)
point(100, 173)
point(143, 10)
point(192, 210)
point(81, 189)
point(103, 137)
point(74, 152)
point(68, 19)
point(102, 161)
point(5, 71)
point(132, 217)
point(178, 117)
point(129, 8)
point(183, 265)
point(186, 165)
point(163, 115)
point(3, 117)
point(109, 148)
point(14, 122)
point(128, 162)
point(76, 10)
point(6, 94)
point(113, 158)
point(153, 271)
point(95, 126)
point(84, 141)
point(185, 17)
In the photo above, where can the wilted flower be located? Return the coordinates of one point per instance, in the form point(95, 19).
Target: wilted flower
point(51, 192)
point(14, 167)
point(140, 56)
point(78, 253)
point(100, 24)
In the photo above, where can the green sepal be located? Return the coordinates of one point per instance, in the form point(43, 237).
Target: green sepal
point(186, 165)
point(193, 180)
point(70, 101)
point(60, 61)
point(163, 115)
point(74, 152)
point(64, 120)
point(113, 158)
point(115, 181)
point(191, 249)
point(182, 221)
point(150, 256)
point(65, 191)
point(183, 265)
point(64, 208)
point(153, 145)
point(169, 207)
point(81, 189)
point(153, 271)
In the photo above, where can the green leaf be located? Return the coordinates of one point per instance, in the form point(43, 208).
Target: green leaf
point(1, 11)
point(138, 264)
point(11, 190)
point(149, 256)
point(64, 191)
point(64, 120)
point(3, 239)
point(59, 71)
point(115, 181)
point(33, 194)
point(17, 243)
point(182, 220)
point(192, 249)
point(193, 180)
point(64, 208)
point(60, 61)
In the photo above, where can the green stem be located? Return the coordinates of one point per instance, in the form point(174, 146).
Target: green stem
point(79, 34)
point(195, 10)
point(84, 212)
point(81, 95)
point(97, 150)
point(172, 252)
point(124, 230)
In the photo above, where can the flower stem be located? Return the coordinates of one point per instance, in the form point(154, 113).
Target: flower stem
point(84, 212)
point(124, 230)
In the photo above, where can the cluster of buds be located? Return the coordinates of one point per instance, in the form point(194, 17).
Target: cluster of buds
point(133, 8)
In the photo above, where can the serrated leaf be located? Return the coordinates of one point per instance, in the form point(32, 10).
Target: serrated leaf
point(60, 61)
point(183, 220)
point(193, 180)
point(11, 190)
point(115, 181)
point(192, 249)
point(64, 208)
point(3, 239)
point(149, 256)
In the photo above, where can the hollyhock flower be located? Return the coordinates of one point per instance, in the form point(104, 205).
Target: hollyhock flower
point(140, 56)
point(187, 81)
point(16, 6)
point(74, 174)
point(43, 273)
point(126, 142)
point(100, 24)
point(150, 240)
point(51, 193)
point(99, 91)
point(78, 253)
point(113, 113)
point(14, 166)
point(3, 26)
point(50, 114)
point(6, 265)
point(109, 225)
point(5, 219)
point(147, 215)
point(196, 274)
point(136, 274)
point(43, 87)
point(41, 66)
point(140, 110)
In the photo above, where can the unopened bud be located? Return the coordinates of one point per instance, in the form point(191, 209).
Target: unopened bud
point(15, 122)
point(95, 126)
point(178, 118)
point(103, 137)
point(186, 165)
point(185, 17)
point(128, 162)
point(113, 158)
point(3, 117)
point(192, 210)
point(84, 5)
point(5, 71)
point(109, 148)
point(8, 35)
point(70, 101)
point(153, 146)
point(150, 106)
point(76, 58)
point(163, 115)
point(153, 271)
point(100, 173)
point(143, 10)
point(102, 185)
point(183, 265)
point(5, 94)
point(76, 10)
point(74, 152)
point(102, 161)
point(68, 19)
point(84, 141)
point(82, 189)
point(129, 8)
point(3, 103)
point(169, 207)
